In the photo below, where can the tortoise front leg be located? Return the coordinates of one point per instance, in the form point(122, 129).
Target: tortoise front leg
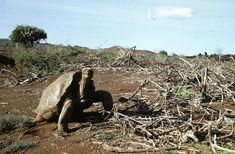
point(65, 115)
point(100, 96)
point(105, 97)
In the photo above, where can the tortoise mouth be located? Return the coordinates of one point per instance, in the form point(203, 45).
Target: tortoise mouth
point(88, 75)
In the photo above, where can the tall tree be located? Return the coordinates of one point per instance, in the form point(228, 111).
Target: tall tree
point(27, 35)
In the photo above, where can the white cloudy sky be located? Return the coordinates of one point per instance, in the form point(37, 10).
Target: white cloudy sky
point(177, 26)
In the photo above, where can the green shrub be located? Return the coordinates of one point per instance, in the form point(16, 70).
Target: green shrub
point(11, 122)
point(18, 145)
point(37, 62)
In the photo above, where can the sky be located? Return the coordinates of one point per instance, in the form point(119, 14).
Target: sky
point(183, 27)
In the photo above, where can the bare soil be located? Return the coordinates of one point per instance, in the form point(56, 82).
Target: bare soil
point(21, 100)
point(84, 137)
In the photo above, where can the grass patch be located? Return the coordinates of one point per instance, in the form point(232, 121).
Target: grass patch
point(12, 122)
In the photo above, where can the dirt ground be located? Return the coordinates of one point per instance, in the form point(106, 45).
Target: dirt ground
point(21, 100)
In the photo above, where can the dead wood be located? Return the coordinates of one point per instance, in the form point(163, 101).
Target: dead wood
point(183, 109)
point(127, 58)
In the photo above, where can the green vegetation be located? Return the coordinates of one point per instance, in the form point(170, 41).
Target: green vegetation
point(162, 53)
point(108, 56)
point(44, 59)
point(18, 145)
point(4, 41)
point(224, 152)
point(36, 62)
point(27, 35)
point(181, 91)
point(67, 51)
point(11, 122)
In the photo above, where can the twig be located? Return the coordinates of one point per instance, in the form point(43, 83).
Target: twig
point(129, 118)
point(126, 150)
point(5, 70)
point(221, 148)
point(186, 61)
point(210, 140)
point(142, 84)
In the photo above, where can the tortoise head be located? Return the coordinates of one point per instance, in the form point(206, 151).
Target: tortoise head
point(87, 73)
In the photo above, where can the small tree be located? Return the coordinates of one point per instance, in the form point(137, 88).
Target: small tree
point(27, 35)
point(163, 53)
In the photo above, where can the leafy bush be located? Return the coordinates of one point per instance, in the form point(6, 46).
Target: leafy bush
point(27, 35)
point(11, 122)
point(43, 59)
point(37, 62)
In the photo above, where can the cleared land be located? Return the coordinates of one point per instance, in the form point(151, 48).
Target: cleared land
point(162, 104)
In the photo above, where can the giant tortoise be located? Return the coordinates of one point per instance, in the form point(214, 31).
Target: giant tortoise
point(62, 99)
